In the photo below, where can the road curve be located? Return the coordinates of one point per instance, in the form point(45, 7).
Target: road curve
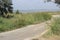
point(24, 33)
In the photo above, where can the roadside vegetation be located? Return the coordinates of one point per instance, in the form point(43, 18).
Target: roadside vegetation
point(55, 26)
point(54, 32)
point(22, 19)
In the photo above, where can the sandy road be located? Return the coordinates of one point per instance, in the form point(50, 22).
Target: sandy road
point(24, 33)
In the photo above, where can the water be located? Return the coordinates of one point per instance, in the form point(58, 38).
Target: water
point(40, 10)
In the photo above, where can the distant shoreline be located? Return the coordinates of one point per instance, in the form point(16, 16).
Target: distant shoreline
point(25, 11)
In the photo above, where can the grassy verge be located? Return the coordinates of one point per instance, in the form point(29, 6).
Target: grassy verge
point(55, 26)
point(54, 32)
point(20, 20)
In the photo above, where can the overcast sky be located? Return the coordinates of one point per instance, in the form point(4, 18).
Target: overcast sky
point(33, 4)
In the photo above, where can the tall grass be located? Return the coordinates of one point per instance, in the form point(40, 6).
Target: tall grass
point(20, 20)
point(55, 26)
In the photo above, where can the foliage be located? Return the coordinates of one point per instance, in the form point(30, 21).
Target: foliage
point(17, 12)
point(55, 26)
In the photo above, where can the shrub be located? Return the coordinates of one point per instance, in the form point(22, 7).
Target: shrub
point(46, 16)
point(17, 12)
point(55, 26)
point(20, 23)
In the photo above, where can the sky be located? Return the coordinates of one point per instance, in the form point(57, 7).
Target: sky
point(33, 5)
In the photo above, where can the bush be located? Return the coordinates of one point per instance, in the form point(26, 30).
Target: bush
point(55, 26)
point(18, 12)
point(46, 16)
point(20, 23)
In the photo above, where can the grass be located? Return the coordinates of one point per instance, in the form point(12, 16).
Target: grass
point(55, 26)
point(21, 20)
point(54, 32)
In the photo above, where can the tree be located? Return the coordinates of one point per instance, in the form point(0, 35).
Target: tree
point(55, 1)
point(17, 12)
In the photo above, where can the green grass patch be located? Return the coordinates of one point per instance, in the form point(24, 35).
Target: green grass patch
point(55, 26)
point(21, 20)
